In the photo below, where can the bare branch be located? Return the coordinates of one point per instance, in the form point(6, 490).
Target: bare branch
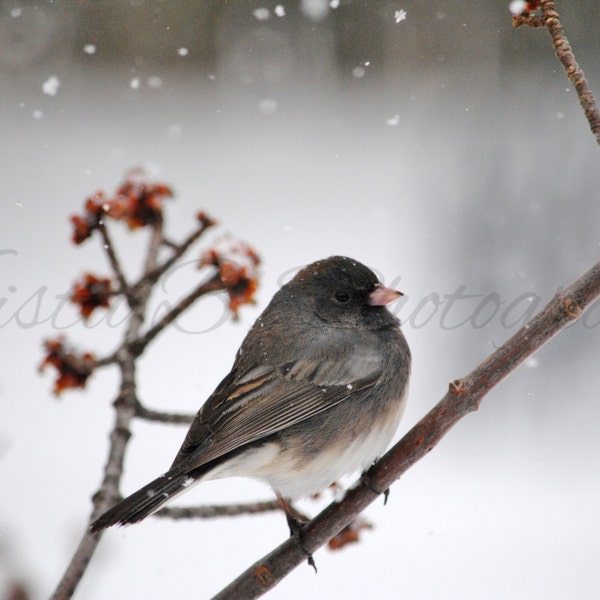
point(574, 73)
point(112, 257)
point(76, 568)
point(178, 250)
point(155, 242)
point(161, 417)
point(463, 397)
point(107, 360)
point(141, 209)
point(217, 510)
point(550, 19)
point(108, 493)
point(211, 284)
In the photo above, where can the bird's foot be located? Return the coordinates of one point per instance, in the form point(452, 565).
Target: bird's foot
point(296, 522)
point(366, 479)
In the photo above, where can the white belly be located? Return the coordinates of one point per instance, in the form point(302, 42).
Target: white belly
point(294, 478)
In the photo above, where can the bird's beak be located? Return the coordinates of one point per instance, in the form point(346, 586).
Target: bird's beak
point(381, 296)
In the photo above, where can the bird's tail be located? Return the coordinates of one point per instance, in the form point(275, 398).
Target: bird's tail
point(145, 501)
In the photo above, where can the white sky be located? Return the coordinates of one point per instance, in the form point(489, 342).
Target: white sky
point(451, 179)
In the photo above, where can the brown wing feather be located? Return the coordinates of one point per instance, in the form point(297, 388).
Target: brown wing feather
point(273, 399)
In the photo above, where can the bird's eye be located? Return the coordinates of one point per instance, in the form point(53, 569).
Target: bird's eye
point(342, 296)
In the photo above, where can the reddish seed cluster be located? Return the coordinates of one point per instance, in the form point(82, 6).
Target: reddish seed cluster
point(237, 263)
point(206, 220)
point(73, 369)
point(139, 203)
point(136, 201)
point(349, 535)
point(83, 226)
point(91, 292)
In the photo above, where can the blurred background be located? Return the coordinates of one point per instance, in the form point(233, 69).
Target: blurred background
point(431, 141)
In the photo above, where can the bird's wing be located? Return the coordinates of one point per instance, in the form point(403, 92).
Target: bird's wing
point(267, 399)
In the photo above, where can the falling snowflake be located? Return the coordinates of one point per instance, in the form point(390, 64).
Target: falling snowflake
point(182, 51)
point(399, 15)
point(89, 49)
point(516, 7)
point(267, 106)
point(51, 85)
point(279, 10)
point(175, 132)
point(261, 14)
point(393, 121)
point(154, 82)
point(315, 10)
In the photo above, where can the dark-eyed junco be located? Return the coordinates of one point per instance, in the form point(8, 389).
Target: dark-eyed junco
point(315, 393)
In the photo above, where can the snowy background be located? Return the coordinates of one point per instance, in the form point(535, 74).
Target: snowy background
point(439, 146)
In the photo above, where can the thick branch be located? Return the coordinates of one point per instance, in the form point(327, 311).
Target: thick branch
point(463, 397)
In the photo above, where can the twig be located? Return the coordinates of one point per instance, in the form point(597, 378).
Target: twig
point(212, 284)
point(125, 404)
point(139, 205)
point(178, 251)
point(531, 20)
point(550, 19)
point(463, 397)
point(108, 493)
point(574, 73)
point(217, 510)
point(161, 417)
point(155, 242)
point(114, 261)
point(107, 360)
point(76, 568)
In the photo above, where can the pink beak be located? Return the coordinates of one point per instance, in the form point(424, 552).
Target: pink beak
point(381, 296)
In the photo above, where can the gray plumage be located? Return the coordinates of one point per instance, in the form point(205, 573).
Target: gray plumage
point(316, 391)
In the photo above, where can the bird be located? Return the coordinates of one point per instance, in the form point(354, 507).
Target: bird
point(316, 392)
